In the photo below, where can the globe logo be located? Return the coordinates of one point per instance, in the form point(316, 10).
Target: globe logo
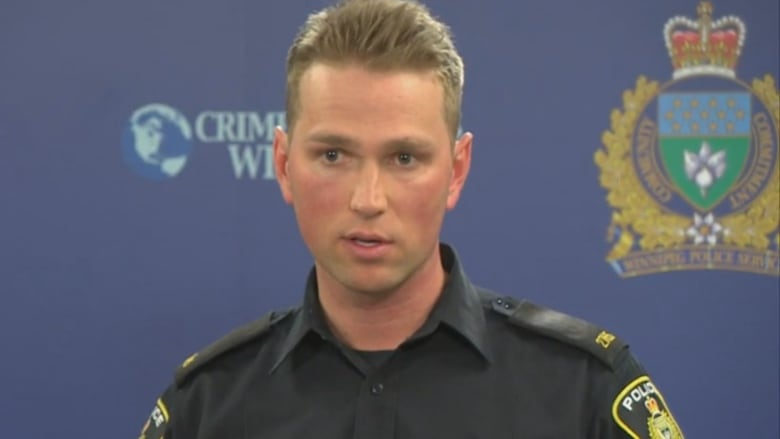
point(157, 141)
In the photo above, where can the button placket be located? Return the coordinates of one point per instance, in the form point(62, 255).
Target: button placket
point(376, 406)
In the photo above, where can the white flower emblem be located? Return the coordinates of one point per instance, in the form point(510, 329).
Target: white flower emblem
point(704, 229)
point(705, 167)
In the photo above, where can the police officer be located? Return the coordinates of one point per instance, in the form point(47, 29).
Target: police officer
point(392, 341)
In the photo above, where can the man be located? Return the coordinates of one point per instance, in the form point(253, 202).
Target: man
point(392, 340)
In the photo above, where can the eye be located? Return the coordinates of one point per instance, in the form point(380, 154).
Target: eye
point(331, 155)
point(404, 159)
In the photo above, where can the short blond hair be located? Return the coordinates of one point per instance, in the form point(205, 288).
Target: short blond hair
point(385, 35)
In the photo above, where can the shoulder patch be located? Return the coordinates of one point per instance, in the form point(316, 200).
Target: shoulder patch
point(233, 340)
point(640, 410)
point(154, 428)
point(601, 344)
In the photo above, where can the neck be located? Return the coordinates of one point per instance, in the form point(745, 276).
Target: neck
point(381, 321)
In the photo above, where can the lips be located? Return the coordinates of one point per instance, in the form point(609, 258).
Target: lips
point(367, 239)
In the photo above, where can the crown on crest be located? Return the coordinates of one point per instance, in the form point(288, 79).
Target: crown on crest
point(704, 46)
point(652, 406)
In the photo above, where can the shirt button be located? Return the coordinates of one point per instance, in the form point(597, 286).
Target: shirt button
point(376, 389)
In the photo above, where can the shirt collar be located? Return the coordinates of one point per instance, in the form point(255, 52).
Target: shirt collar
point(459, 307)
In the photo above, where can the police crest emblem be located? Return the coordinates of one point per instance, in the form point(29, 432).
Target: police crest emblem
point(640, 410)
point(691, 165)
point(660, 424)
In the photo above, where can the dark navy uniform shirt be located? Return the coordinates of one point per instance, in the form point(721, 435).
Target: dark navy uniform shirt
point(481, 367)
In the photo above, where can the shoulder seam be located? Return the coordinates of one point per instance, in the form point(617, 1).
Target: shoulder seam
point(567, 329)
point(227, 343)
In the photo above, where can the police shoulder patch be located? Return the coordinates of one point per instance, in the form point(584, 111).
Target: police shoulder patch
point(584, 335)
point(154, 428)
point(233, 340)
point(640, 410)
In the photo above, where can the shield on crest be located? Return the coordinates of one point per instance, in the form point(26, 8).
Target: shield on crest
point(704, 142)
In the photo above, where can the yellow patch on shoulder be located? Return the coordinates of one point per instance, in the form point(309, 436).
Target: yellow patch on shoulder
point(641, 411)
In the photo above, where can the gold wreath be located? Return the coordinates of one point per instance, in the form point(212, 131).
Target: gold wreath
point(750, 228)
point(638, 214)
point(674, 429)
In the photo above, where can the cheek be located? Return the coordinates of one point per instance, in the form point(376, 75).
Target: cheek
point(426, 200)
point(315, 204)
point(315, 195)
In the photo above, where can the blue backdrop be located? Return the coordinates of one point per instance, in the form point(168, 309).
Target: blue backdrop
point(113, 270)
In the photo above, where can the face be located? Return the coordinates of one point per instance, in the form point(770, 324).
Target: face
point(370, 170)
point(148, 137)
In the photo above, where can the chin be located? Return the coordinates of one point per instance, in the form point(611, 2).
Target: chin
point(373, 285)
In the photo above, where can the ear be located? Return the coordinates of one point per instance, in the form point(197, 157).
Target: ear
point(461, 163)
point(281, 160)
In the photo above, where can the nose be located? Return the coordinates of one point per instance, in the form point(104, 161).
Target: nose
point(368, 196)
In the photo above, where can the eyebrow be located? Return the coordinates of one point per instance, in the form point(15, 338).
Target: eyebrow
point(332, 140)
point(340, 141)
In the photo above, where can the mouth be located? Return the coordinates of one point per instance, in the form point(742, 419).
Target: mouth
point(366, 243)
point(367, 239)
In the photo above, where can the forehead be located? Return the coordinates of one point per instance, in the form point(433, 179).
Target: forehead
point(359, 78)
point(357, 95)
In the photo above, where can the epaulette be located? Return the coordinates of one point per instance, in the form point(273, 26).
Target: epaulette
point(562, 327)
point(233, 340)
